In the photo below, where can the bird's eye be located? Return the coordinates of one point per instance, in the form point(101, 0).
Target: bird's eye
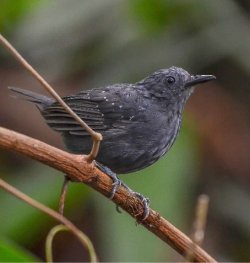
point(170, 80)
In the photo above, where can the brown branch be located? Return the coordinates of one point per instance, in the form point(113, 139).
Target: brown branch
point(199, 225)
point(63, 194)
point(96, 136)
point(79, 170)
point(71, 227)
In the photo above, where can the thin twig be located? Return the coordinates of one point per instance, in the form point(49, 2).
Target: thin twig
point(96, 137)
point(199, 226)
point(50, 238)
point(79, 170)
point(80, 235)
point(49, 241)
point(63, 194)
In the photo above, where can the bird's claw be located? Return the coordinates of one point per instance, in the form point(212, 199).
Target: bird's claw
point(116, 181)
point(145, 201)
point(115, 185)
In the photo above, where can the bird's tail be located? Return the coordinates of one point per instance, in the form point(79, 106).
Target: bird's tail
point(41, 101)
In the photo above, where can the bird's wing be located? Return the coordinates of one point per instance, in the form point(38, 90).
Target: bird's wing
point(58, 119)
point(100, 109)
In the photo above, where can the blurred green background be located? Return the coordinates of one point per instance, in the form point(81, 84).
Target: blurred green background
point(82, 44)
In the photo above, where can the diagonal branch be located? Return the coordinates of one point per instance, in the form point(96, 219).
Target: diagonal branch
point(96, 136)
point(79, 170)
point(66, 223)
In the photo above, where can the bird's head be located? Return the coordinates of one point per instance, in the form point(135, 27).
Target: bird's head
point(173, 83)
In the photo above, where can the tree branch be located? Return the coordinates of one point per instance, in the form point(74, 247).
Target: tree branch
point(199, 225)
point(96, 136)
point(78, 170)
point(71, 227)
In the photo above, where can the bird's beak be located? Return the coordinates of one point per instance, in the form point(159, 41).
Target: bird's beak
point(197, 79)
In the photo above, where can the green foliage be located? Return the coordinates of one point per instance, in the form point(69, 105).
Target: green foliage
point(11, 252)
point(156, 15)
point(12, 11)
point(43, 184)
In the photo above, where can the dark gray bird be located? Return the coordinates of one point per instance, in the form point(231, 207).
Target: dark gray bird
point(139, 122)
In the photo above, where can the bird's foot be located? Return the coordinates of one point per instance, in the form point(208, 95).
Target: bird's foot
point(145, 201)
point(116, 181)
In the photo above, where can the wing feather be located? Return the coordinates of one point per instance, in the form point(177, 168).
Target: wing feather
point(58, 119)
point(101, 109)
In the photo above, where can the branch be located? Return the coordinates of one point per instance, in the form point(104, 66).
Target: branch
point(66, 223)
point(80, 235)
point(199, 225)
point(77, 169)
point(96, 136)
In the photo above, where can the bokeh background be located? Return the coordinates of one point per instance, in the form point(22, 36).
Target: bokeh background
point(81, 44)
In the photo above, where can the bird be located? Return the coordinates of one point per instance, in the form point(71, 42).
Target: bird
point(139, 122)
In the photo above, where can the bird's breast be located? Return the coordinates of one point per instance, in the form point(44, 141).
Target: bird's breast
point(162, 130)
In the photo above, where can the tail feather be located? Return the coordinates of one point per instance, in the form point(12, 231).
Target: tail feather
point(41, 101)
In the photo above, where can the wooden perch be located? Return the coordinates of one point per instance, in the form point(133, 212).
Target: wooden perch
point(79, 170)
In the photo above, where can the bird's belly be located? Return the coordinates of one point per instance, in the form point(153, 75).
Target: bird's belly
point(127, 151)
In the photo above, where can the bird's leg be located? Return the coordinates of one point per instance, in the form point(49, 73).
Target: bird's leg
point(117, 183)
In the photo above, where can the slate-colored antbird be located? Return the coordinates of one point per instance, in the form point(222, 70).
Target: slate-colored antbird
point(139, 122)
